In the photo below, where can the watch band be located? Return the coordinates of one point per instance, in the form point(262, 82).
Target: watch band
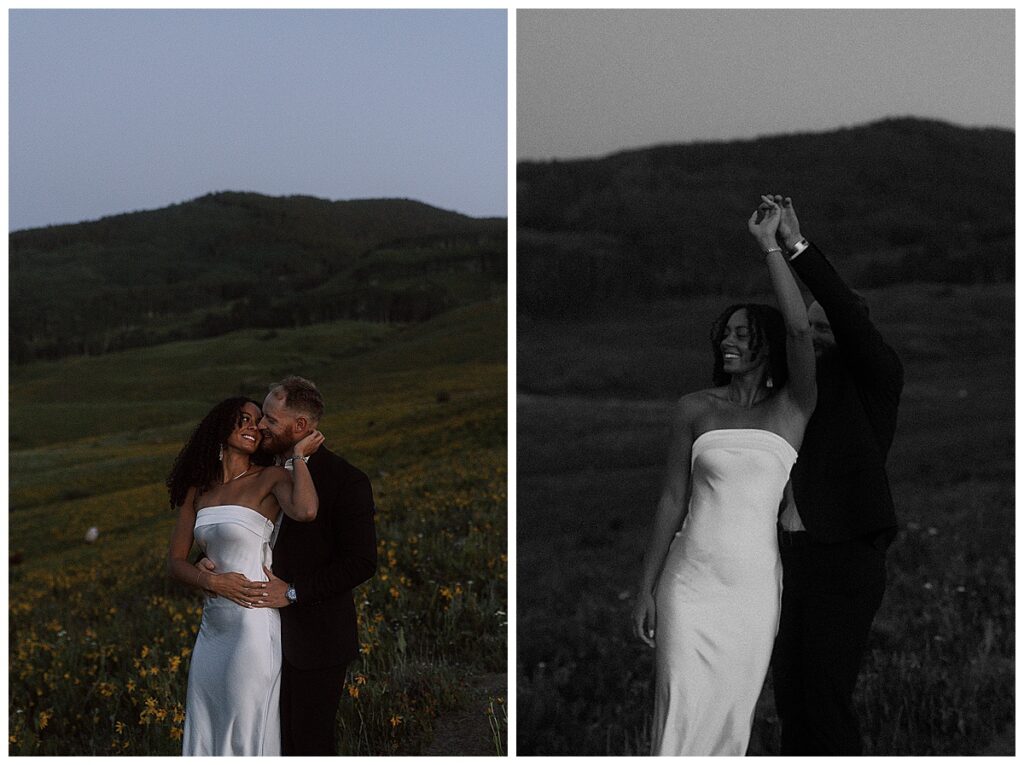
point(799, 247)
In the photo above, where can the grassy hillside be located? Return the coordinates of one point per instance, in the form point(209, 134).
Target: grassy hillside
point(100, 638)
point(234, 260)
point(595, 399)
point(671, 220)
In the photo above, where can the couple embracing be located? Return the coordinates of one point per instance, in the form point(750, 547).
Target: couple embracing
point(286, 530)
point(768, 544)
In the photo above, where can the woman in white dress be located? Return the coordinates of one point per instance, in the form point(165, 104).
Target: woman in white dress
point(229, 500)
point(710, 593)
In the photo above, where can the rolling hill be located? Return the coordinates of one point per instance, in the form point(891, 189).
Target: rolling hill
point(232, 260)
point(900, 200)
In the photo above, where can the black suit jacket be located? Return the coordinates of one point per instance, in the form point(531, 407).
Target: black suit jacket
point(325, 559)
point(840, 483)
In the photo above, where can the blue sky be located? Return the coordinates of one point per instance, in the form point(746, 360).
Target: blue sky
point(118, 110)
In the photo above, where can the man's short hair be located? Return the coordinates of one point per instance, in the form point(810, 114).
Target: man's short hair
point(301, 395)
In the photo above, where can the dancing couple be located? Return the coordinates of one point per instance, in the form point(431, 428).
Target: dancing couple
point(286, 530)
point(768, 543)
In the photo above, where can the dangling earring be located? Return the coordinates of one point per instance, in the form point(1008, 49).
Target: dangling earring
point(768, 381)
point(220, 454)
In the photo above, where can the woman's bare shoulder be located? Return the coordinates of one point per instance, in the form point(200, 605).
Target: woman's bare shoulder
point(275, 474)
point(699, 401)
point(692, 407)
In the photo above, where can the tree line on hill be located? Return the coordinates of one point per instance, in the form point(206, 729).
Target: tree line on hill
point(898, 200)
point(231, 260)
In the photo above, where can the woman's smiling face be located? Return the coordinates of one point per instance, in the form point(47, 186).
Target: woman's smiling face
point(246, 435)
point(737, 355)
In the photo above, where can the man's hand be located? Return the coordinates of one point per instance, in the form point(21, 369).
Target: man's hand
point(232, 586)
point(274, 595)
point(789, 227)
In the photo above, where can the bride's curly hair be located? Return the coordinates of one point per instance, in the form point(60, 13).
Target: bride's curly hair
point(198, 462)
point(766, 326)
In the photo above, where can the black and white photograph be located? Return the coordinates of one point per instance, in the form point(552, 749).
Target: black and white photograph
point(765, 370)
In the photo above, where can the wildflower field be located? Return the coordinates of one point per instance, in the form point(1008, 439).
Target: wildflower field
point(593, 412)
point(100, 638)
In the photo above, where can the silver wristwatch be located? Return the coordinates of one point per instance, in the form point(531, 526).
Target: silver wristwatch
point(290, 593)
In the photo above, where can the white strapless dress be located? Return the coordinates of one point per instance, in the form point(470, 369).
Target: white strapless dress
point(719, 596)
point(234, 681)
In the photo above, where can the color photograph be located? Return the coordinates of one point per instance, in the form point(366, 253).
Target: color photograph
point(765, 382)
point(258, 323)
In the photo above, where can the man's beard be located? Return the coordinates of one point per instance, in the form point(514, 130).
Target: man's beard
point(274, 445)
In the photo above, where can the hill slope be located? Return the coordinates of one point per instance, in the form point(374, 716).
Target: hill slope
point(100, 638)
point(234, 260)
point(896, 200)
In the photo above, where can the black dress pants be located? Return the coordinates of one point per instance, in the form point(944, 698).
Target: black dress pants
point(309, 708)
point(830, 595)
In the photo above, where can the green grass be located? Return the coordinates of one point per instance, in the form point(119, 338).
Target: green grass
point(592, 436)
point(100, 638)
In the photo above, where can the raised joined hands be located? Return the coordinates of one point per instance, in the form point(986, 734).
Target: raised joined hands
point(789, 227)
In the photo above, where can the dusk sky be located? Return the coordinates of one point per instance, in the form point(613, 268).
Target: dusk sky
point(115, 111)
point(593, 82)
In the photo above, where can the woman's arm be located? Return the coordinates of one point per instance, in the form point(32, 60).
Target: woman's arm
point(297, 495)
point(182, 540)
point(232, 586)
point(802, 385)
point(668, 517)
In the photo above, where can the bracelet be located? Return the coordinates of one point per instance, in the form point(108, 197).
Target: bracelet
point(770, 250)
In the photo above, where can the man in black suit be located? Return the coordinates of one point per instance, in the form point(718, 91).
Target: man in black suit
point(838, 518)
point(316, 566)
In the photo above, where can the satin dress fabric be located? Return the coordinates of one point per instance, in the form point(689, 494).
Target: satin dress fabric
point(234, 680)
point(719, 596)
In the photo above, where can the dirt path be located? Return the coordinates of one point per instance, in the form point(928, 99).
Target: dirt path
point(466, 731)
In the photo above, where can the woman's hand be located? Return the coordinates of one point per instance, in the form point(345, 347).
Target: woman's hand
point(644, 618)
point(764, 222)
point(308, 445)
point(237, 588)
